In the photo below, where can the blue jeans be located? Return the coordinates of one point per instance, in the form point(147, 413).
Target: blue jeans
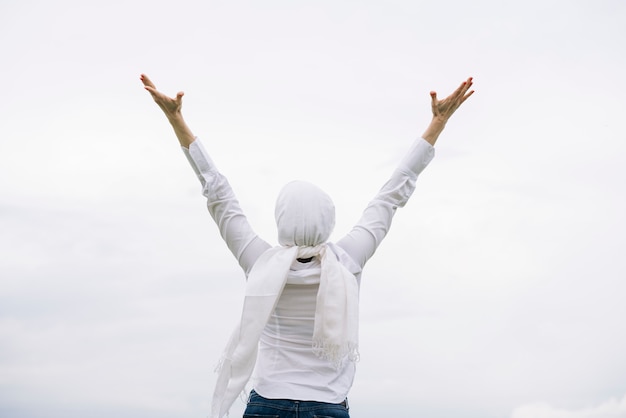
point(260, 407)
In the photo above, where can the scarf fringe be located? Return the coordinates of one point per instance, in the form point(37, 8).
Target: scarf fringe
point(335, 353)
point(220, 364)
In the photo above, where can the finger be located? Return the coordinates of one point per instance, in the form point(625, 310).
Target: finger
point(153, 92)
point(459, 90)
point(468, 83)
point(146, 81)
point(459, 94)
point(467, 96)
point(156, 95)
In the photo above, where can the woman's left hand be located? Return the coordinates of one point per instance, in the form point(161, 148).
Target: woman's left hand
point(443, 109)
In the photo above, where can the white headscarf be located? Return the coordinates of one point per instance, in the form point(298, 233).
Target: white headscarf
point(305, 217)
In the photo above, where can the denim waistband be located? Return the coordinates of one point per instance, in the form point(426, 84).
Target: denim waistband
point(291, 403)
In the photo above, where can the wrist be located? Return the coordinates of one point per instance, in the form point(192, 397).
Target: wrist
point(174, 117)
point(435, 128)
point(176, 120)
point(438, 122)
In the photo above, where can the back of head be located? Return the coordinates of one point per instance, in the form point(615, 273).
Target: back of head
point(305, 215)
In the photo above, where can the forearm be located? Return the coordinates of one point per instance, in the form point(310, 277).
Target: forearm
point(182, 131)
point(362, 241)
point(434, 129)
point(224, 208)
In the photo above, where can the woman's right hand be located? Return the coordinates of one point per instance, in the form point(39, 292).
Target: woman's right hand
point(170, 106)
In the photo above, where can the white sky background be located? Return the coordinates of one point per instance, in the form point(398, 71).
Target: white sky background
point(499, 291)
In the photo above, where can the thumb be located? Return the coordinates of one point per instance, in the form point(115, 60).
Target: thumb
point(433, 102)
point(179, 97)
point(433, 97)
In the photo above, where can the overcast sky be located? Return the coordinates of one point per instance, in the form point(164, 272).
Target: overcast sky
point(499, 292)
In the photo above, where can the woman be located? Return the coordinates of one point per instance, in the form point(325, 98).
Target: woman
point(299, 327)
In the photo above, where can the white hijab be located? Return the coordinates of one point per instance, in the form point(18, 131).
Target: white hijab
point(305, 217)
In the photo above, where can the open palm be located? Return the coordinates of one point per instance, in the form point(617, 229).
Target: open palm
point(444, 108)
point(169, 105)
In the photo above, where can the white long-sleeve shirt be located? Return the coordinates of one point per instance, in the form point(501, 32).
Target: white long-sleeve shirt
point(286, 366)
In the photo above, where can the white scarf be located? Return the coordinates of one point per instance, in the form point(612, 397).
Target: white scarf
point(305, 219)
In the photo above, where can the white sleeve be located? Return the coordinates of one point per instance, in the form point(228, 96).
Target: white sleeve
point(224, 208)
point(365, 237)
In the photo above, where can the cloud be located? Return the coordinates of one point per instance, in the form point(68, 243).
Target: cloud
point(117, 293)
point(612, 408)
